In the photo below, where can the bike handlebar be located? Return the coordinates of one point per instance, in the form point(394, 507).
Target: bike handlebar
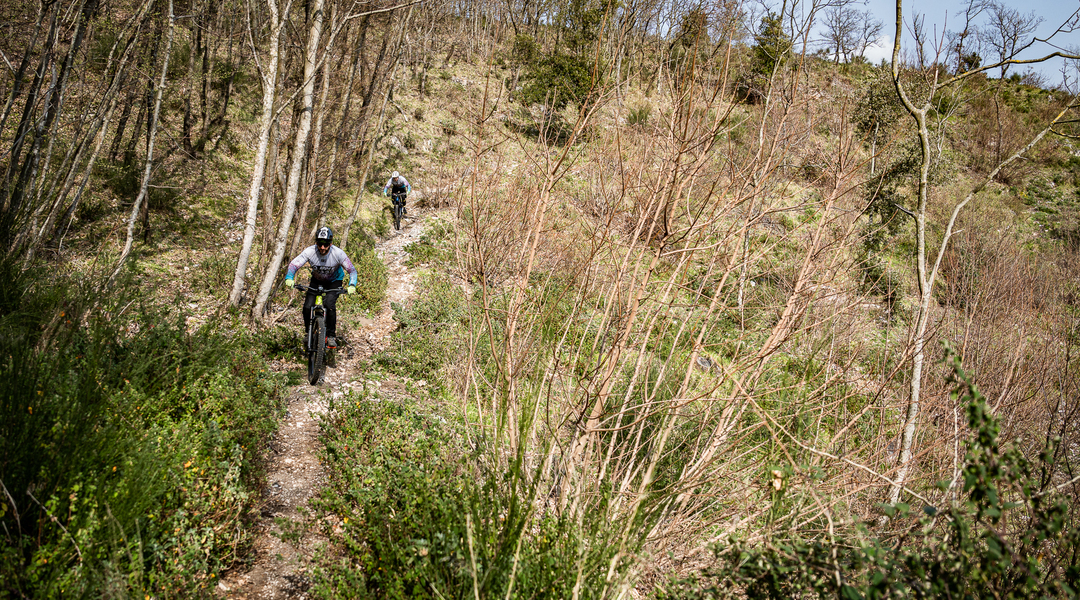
point(320, 289)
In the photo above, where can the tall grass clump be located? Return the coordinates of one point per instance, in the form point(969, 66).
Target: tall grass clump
point(639, 115)
point(415, 517)
point(127, 441)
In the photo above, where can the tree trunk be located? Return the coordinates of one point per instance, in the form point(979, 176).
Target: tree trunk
point(151, 135)
point(342, 128)
point(303, 132)
point(64, 221)
point(189, 90)
point(45, 131)
point(97, 131)
point(927, 273)
point(121, 124)
point(55, 105)
point(268, 76)
point(15, 175)
point(316, 143)
point(20, 74)
point(55, 184)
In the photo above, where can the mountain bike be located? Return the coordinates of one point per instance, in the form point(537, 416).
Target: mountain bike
point(316, 333)
point(399, 209)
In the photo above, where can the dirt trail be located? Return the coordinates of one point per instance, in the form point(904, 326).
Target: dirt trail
point(281, 567)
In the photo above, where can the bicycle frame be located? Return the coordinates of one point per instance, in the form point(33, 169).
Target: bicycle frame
point(398, 208)
point(316, 332)
point(317, 312)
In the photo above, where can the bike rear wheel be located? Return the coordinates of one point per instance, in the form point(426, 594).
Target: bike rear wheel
point(317, 350)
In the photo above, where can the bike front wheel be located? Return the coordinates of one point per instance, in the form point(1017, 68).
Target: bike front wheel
point(317, 350)
point(397, 216)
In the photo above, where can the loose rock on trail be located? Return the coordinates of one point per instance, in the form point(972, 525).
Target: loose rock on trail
point(286, 536)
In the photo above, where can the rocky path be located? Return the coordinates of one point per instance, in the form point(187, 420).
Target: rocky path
point(285, 543)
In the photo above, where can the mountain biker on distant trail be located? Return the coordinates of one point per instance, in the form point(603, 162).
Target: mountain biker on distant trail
point(397, 188)
point(328, 266)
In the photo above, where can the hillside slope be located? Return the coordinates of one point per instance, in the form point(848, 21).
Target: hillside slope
point(673, 301)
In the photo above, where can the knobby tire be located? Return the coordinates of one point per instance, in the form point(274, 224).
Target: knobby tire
point(397, 216)
point(317, 350)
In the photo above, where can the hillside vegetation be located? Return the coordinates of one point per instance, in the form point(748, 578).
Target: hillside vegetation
point(706, 310)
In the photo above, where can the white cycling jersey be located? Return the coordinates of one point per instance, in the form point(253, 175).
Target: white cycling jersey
point(324, 269)
point(402, 186)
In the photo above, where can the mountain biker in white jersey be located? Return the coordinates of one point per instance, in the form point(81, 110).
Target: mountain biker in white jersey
point(328, 266)
point(397, 188)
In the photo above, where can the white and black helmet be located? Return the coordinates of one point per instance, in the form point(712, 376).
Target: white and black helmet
point(325, 234)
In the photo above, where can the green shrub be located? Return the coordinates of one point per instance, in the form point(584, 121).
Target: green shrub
point(432, 247)
point(397, 496)
point(280, 341)
point(639, 116)
point(127, 442)
point(525, 49)
point(430, 331)
point(372, 277)
point(381, 224)
point(559, 79)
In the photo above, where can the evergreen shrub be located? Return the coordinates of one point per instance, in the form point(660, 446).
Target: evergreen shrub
point(430, 333)
point(127, 441)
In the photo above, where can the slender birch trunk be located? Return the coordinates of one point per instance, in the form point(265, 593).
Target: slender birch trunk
point(15, 177)
point(55, 104)
point(152, 134)
point(268, 75)
point(60, 228)
point(324, 203)
point(927, 273)
point(303, 132)
point(316, 142)
point(53, 224)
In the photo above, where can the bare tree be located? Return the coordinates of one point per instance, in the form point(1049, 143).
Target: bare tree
point(303, 132)
point(842, 29)
point(964, 44)
point(371, 127)
point(919, 107)
point(144, 188)
point(869, 31)
point(33, 142)
point(619, 426)
point(1008, 33)
point(268, 75)
point(58, 183)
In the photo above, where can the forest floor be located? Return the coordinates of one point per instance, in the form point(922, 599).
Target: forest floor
point(286, 538)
